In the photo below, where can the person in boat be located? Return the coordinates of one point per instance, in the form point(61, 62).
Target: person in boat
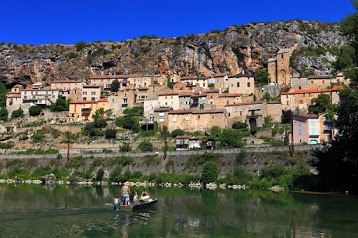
point(134, 197)
point(144, 196)
point(115, 202)
point(125, 191)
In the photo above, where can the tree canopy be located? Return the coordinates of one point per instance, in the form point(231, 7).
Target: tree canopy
point(321, 104)
point(261, 76)
point(347, 58)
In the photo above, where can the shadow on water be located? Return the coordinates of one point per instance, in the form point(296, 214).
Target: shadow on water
point(34, 211)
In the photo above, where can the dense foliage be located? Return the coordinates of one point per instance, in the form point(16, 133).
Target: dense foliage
point(35, 110)
point(210, 172)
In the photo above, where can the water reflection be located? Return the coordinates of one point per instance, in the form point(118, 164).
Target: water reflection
point(60, 211)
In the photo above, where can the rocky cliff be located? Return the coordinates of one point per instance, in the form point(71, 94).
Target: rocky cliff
point(236, 49)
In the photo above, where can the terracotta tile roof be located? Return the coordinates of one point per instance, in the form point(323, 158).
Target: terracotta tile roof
point(189, 111)
point(229, 95)
point(245, 104)
point(301, 91)
point(308, 116)
point(212, 91)
point(162, 109)
point(212, 111)
point(91, 86)
point(185, 94)
point(319, 77)
point(83, 102)
point(220, 75)
point(66, 81)
point(168, 94)
point(188, 77)
point(123, 76)
point(336, 88)
point(103, 100)
point(240, 75)
point(13, 95)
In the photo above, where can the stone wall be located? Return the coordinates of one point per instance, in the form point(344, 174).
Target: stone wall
point(252, 159)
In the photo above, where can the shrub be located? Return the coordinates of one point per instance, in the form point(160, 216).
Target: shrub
point(110, 133)
point(115, 174)
point(125, 147)
point(17, 113)
point(35, 110)
point(6, 145)
point(145, 146)
point(100, 174)
point(178, 132)
point(238, 125)
point(210, 172)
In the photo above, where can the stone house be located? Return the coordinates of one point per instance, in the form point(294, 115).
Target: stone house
point(196, 120)
point(139, 81)
point(301, 99)
point(39, 96)
point(224, 99)
point(161, 116)
point(241, 83)
point(66, 85)
point(180, 87)
point(253, 113)
point(218, 81)
point(169, 100)
point(127, 98)
point(141, 95)
point(320, 82)
point(200, 82)
point(91, 92)
point(105, 81)
point(80, 111)
point(76, 94)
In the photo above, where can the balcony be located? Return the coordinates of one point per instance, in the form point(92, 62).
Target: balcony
point(86, 111)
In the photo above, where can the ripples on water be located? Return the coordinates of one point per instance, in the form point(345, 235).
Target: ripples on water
point(28, 211)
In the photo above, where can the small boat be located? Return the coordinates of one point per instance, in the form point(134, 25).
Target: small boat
point(141, 204)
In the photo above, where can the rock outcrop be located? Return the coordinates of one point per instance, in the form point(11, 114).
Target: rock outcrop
point(236, 49)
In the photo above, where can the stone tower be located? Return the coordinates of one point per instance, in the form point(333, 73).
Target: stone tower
point(279, 67)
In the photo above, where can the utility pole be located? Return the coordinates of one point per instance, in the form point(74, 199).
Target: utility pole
point(291, 146)
point(68, 134)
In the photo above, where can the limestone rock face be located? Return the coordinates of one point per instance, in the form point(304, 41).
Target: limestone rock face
point(236, 49)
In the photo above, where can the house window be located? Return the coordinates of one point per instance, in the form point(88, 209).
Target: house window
point(112, 99)
point(311, 81)
point(313, 131)
point(240, 113)
point(93, 93)
point(322, 81)
point(313, 123)
point(238, 84)
point(198, 116)
point(248, 84)
point(300, 131)
point(229, 114)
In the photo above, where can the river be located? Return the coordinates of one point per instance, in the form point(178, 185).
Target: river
point(77, 211)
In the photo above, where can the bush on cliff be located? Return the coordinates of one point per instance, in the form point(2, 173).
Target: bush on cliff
point(210, 172)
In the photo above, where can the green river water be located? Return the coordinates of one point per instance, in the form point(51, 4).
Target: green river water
point(70, 211)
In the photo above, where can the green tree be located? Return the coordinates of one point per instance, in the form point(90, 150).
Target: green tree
point(125, 147)
point(115, 85)
point(321, 104)
point(17, 113)
point(266, 96)
point(3, 91)
point(178, 132)
point(262, 77)
point(128, 122)
point(134, 111)
point(145, 146)
point(4, 114)
point(60, 105)
point(35, 110)
point(210, 172)
point(230, 138)
point(338, 160)
point(80, 45)
point(347, 60)
point(238, 125)
point(110, 133)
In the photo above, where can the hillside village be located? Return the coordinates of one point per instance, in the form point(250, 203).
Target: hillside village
point(191, 103)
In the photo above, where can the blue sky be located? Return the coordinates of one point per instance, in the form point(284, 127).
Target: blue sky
point(70, 21)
